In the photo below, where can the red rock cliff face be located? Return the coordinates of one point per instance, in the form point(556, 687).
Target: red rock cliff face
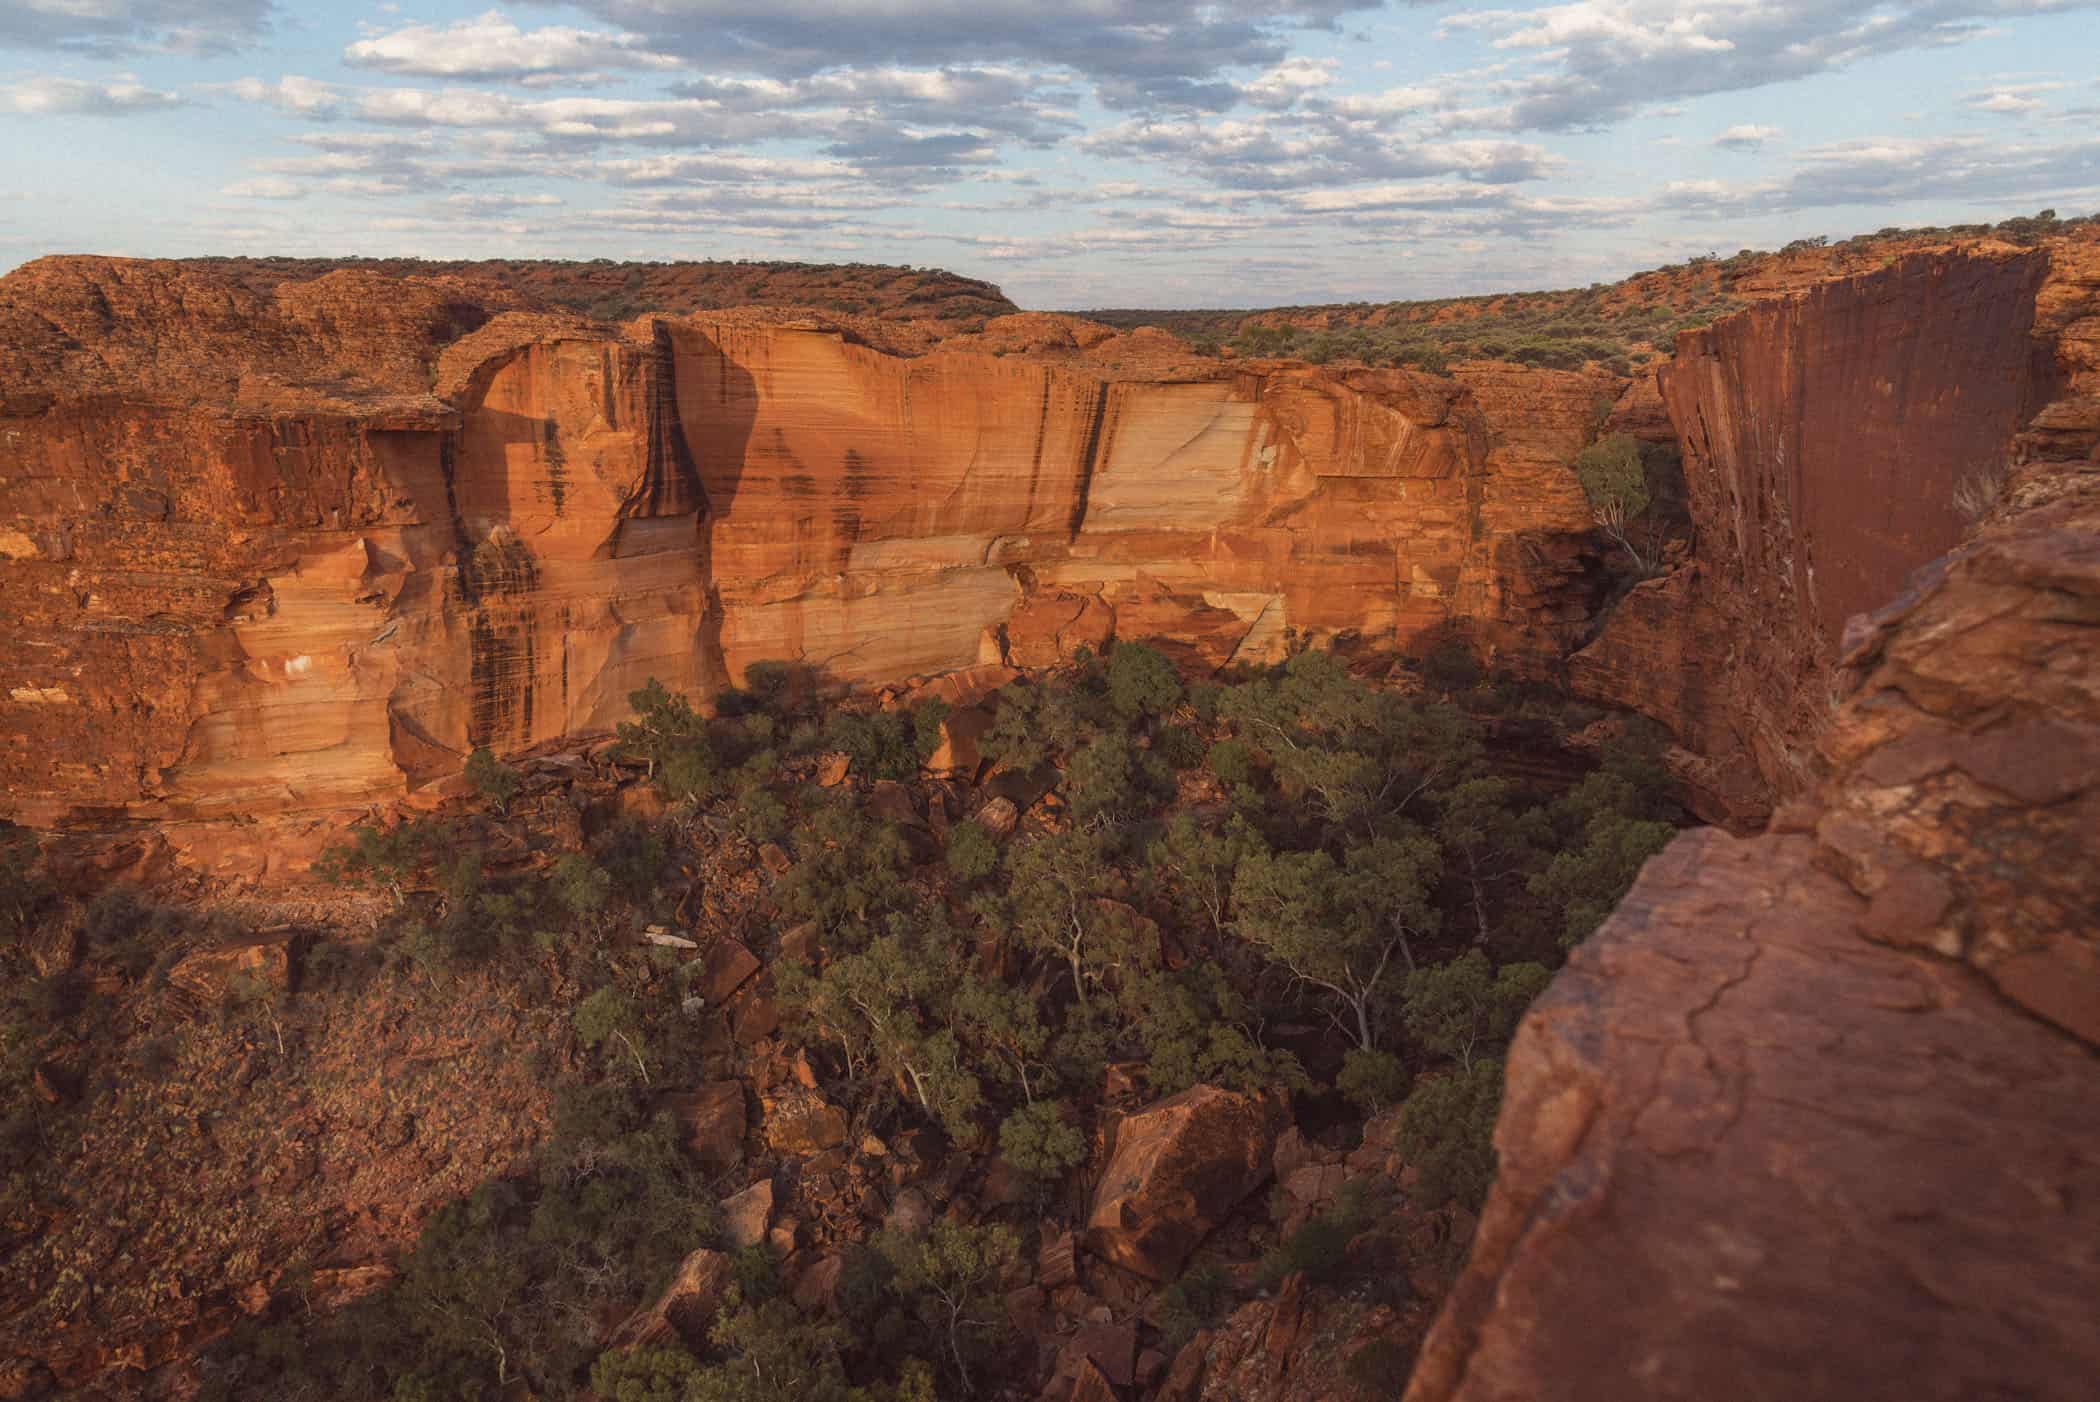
point(300, 549)
point(1811, 1116)
point(1825, 438)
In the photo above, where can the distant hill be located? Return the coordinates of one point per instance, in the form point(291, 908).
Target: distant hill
point(1619, 326)
point(616, 291)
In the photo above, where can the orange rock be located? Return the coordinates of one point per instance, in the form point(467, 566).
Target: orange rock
point(1178, 1167)
point(685, 1309)
point(493, 537)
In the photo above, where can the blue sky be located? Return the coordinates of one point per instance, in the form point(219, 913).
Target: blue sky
point(1078, 152)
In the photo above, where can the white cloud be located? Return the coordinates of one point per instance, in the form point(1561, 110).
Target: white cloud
point(113, 27)
point(66, 97)
point(491, 46)
point(2012, 99)
point(1593, 62)
point(1746, 136)
point(1290, 80)
point(266, 187)
point(292, 93)
point(1138, 53)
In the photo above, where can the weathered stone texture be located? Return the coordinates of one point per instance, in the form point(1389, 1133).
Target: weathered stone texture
point(1824, 437)
point(1811, 1115)
point(264, 555)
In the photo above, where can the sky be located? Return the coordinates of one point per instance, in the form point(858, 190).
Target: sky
point(1080, 153)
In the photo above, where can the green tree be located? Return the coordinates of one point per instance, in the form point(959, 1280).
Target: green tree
point(1362, 755)
point(1036, 723)
point(849, 868)
point(952, 1271)
point(1456, 1008)
point(1110, 778)
point(386, 859)
point(1616, 484)
point(581, 884)
point(1194, 1027)
point(496, 782)
point(1001, 1025)
point(1142, 682)
point(1372, 1080)
point(1040, 1141)
point(888, 744)
point(1339, 928)
point(610, 1016)
point(1490, 842)
point(883, 1005)
point(1055, 905)
point(972, 853)
point(1607, 827)
point(1197, 863)
point(1447, 1133)
point(644, 1374)
point(772, 1353)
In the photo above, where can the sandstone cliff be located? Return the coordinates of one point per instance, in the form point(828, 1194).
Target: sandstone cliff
point(300, 549)
point(1827, 440)
point(1811, 1115)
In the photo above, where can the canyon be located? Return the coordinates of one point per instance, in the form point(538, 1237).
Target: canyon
point(267, 558)
point(1809, 1115)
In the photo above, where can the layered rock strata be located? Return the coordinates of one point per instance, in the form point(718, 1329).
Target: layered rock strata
point(1828, 440)
point(263, 556)
point(1811, 1115)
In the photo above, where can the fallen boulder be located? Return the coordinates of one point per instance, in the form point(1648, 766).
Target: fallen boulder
point(1179, 1167)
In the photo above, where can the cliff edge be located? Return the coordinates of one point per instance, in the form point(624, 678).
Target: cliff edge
point(1811, 1116)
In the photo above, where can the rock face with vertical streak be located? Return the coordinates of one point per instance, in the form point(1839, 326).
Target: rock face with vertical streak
point(1811, 1115)
point(1825, 439)
point(300, 550)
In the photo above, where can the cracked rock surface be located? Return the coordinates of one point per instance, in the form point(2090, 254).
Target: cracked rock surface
point(1816, 1114)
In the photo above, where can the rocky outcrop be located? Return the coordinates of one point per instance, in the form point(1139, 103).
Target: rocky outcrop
point(1816, 1104)
point(300, 546)
point(1179, 1167)
point(1826, 441)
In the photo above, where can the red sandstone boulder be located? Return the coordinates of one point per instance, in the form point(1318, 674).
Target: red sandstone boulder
point(686, 1308)
point(208, 974)
point(1179, 1167)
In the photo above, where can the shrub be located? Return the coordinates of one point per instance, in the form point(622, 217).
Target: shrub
point(1616, 484)
point(644, 1374)
point(1372, 1079)
point(118, 927)
point(496, 782)
point(1978, 492)
point(581, 884)
point(1320, 1248)
point(1039, 1141)
point(972, 853)
point(1181, 747)
point(20, 891)
point(1142, 682)
point(1233, 762)
point(1191, 1303)
point(1447, 1133)
point(633, 855)
point(385, 859)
